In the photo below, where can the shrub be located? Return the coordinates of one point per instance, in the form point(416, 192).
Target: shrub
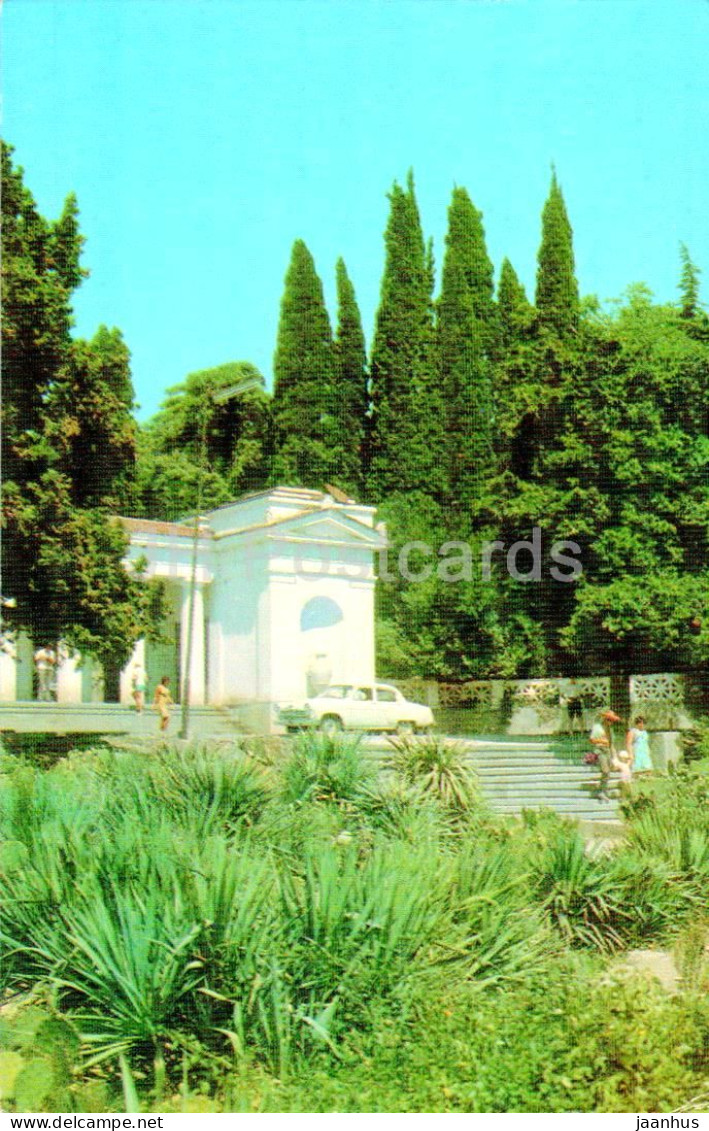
point(439, 767)
point(695, 742)
point(330, 768)
point(580, 894)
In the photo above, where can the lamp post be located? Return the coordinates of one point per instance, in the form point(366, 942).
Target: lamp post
point(218, 396)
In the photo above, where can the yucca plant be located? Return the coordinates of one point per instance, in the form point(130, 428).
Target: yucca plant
point(125, 965)
point(680, 844)
point(582, 898)
point(209, 783)
point(438, 766)
point(324, 767)
point(655, 899)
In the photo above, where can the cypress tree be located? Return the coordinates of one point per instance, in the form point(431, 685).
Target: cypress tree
point(688, 284)
point(304, 370)
point(351, 387)
point(466, 333)
point(514, 309)
point(408, 426)
point(557, 297)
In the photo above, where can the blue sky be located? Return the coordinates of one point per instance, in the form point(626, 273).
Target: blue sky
point(203, 136)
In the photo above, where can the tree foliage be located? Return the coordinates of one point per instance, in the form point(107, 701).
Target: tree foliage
point(467, 331)
point(68, 442)
point(304, 404)
point(557, 297)
point(407, 439)
point(238, 436)
point(351, 385)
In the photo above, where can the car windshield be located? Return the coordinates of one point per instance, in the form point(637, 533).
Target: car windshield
point(337, 691)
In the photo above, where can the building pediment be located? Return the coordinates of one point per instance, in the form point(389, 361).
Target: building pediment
point(327, 528)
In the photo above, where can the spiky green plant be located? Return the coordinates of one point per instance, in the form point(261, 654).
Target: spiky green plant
point(440, 767)
point(209, 783)
point(331, 768)
point(583, 899)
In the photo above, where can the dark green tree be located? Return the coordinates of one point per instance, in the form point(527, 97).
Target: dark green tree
point(307, 432)
point(407, 438)
point(688, 284)
point(238, 437)
point(628, 479)
point(466, 337)
point(515, 312)
point(61, 554)
point(91, 421)
point(351, 385)
point(557, 296)
point(40, 270)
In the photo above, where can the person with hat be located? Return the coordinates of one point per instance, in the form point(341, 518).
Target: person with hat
point(601, 738)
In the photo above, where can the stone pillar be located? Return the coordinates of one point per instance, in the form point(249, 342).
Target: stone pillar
point(197, 668)
point(8, 670)
point(69, 677)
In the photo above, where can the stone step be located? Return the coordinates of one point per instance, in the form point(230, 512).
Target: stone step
point(110, 718)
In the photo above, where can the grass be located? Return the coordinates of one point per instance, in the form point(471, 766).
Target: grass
point(255, 929)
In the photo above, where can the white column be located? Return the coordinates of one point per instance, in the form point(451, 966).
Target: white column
point(8, 670)
point(197, 688)
point(69, 678)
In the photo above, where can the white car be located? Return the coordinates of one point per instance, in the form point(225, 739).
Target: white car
point(352, 706)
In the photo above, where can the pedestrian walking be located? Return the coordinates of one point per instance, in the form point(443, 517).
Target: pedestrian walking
point(138, 685)
point(163, 701)
point(601, 738)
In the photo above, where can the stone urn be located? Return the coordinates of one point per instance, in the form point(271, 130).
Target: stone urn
point(318, 673)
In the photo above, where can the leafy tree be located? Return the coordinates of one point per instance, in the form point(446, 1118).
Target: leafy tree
point(557, 297)
point(238, 438)
point(351, 384)
point(40, 271)
point(466, 335)
point(407, 440)
point(91, 421)
point(61, 555)
point(304, 404)
point(633, 462)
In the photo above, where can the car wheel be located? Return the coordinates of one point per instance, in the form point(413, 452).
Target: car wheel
point(405, 728)
point(331, 725)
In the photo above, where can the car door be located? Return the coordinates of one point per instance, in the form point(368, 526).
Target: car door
point(388, 707)
point(362, 708)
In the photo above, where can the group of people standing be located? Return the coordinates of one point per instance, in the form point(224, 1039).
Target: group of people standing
point(634, 758)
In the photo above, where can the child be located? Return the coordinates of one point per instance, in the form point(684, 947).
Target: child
point(623, 765)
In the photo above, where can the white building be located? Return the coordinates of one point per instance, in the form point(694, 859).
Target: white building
point(284, 603)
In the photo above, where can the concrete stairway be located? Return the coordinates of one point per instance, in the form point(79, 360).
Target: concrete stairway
point(533, 774)
point(116, 719)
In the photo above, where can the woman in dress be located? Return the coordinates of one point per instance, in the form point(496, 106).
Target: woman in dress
point(162, 701)
point(637, 743)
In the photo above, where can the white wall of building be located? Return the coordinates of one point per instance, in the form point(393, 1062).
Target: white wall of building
point(284, 599)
